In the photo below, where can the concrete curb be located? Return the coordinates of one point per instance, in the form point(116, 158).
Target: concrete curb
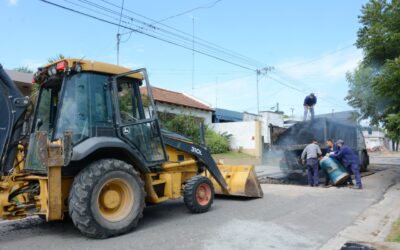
point(373, 225)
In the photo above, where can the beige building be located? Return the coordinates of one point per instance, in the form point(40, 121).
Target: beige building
point(22, 80)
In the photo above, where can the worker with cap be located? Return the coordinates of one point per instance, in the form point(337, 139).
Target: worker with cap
point(309, 103)
point(310, 154)
point(350, 160)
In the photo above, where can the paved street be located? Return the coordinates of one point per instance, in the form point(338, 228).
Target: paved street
point(288, 217)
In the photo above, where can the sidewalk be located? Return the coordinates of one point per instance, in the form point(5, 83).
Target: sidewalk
point(373, 225)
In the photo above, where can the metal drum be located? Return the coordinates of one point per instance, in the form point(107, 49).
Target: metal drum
point(334, 169)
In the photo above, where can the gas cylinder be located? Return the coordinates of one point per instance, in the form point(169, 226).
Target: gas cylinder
point(334, 169)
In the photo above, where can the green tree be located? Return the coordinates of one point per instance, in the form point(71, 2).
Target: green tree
point(375, 84)
point(362, 96)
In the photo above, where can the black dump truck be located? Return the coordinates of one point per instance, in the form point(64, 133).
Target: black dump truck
point(293, 140)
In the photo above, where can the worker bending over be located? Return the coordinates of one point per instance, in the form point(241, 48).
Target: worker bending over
point(310, 154)
point(350, 161)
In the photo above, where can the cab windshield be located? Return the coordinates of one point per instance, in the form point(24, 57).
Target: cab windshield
point(81, 106)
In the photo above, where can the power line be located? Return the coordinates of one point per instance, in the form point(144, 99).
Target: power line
point(205, 6)
point(236, 54)
point(147, 34)
point(155, 29)
point(301, 91)
point(285, 84)
point(124, 24)
point(301, 83)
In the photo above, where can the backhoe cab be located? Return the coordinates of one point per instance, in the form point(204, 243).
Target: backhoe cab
point(96, 151)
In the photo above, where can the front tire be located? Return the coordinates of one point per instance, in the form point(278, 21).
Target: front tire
point(106, 199)
point(198, 194)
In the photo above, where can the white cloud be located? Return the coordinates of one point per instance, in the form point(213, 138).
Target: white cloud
point(325, 77)
point(12, 2)
point(333, 66)
point(237, 94)
point(32, 64)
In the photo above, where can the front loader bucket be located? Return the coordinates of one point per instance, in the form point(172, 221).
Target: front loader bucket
point(241, 180)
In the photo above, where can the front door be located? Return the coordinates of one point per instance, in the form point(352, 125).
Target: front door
point(137, 124)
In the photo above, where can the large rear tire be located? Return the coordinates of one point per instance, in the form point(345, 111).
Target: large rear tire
point(198, 194)
point(106, 199)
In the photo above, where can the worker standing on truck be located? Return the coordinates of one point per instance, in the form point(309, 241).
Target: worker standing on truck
point(310, 154)
point(309, 103)
point(350, 160)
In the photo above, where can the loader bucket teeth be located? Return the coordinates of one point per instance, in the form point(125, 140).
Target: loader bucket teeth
point(241, 180)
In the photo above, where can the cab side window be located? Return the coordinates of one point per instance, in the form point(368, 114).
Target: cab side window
point(129, 102)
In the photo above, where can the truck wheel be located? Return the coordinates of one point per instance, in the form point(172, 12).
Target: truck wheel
point(198, 194)
point(364, 161)
point(106, 199)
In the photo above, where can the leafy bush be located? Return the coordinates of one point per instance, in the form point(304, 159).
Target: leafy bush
point(189, 127)
point(185, 125)
point(217, 143)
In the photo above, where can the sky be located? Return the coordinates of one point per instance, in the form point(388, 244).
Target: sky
point(309, 44)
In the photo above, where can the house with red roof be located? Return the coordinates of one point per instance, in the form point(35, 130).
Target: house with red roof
point(173, 102)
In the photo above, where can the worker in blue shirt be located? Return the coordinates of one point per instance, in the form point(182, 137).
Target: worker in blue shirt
point(309, 103)
point(350, 160)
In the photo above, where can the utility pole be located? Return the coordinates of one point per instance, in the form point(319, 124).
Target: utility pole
point(261, 72)
point(118, 42)
point(118, 34)
point(192, 55)
point(216, 92)
point(277, 107)
point(292, 113)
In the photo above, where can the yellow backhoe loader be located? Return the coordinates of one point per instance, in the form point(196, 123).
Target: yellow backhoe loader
point(95, 150)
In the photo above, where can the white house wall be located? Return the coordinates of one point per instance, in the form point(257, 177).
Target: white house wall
point(267, 118)
point(180, 110)
point(250, 117)
point(376, 139)
point(246, 136)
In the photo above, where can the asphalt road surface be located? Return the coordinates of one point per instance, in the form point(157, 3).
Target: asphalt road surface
point(288, 217)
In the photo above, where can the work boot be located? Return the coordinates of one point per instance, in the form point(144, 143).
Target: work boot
point(358, 187)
